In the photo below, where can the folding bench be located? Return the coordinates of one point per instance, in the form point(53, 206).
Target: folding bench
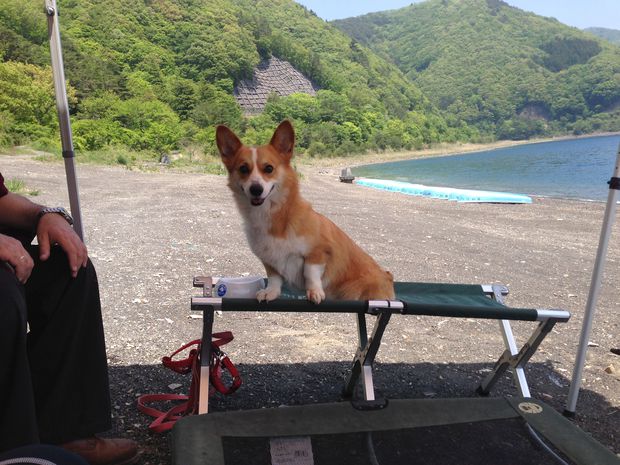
point(370, 431)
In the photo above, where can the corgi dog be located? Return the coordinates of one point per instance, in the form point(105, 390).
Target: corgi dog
point(296, 244)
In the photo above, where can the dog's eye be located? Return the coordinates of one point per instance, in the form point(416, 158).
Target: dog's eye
point(244, 169)
point(268, 169)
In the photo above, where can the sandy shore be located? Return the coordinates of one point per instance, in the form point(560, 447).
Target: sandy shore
point(150, 233)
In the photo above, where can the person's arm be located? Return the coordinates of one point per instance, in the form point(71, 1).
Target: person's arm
point(17, 212)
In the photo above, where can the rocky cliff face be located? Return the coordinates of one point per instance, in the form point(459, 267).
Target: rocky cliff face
point(271, 76)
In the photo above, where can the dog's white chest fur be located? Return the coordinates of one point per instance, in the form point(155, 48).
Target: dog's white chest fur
point(285, 255)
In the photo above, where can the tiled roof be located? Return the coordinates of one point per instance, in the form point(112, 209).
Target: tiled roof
point(271, 75)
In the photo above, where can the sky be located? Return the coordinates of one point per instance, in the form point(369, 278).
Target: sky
point(577, 13)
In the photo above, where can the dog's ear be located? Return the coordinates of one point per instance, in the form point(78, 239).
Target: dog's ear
point(227, 142)
point(283, 139)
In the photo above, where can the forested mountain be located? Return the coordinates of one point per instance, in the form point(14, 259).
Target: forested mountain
point(508, 72)
point(612, 35)
point(159, 74)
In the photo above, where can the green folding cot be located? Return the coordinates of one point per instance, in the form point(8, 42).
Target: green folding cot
point(376, 431)
point(472, 431)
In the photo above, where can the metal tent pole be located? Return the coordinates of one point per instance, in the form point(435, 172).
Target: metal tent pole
point(595, 286)
point(63, 114)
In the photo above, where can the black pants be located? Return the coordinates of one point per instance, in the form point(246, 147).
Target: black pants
point(53, 378)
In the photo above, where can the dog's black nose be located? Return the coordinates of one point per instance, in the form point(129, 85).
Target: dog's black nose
point(256, 190)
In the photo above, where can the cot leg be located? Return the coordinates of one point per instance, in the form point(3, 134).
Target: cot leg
point(531, 346)
point(497, 293)
point(505, 362)
point(516, 360)
point(205, 358)
point(365, 356)
point(518, 372)
point(498, 370)
point(362, 335)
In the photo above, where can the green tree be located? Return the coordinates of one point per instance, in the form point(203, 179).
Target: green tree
point(216, 106)
point(96, 134)
point(302, 107)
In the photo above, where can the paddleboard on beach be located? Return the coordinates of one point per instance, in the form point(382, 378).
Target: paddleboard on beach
point(447, 193)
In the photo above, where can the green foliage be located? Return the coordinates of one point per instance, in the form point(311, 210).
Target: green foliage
point(95, 134)
point(317, 148)
point(26, 102)
point(181, 94)
point(215, 106)
point(18, 186)
point(296, 106)
point(162, 137)
point(7, 129)
point(122, 159)
point(485, 63)
point(520, 128)
point(564, 52)
point(23, 32)
point(158, 76)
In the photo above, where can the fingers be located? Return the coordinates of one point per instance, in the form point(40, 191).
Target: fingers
point(75, 250)
point(55, 230)
point(23, 267)
point(13, 253)
point(44, 246)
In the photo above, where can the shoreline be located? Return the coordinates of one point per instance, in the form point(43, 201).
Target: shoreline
point(441, 150)
point(310, 167)
point(334, 165)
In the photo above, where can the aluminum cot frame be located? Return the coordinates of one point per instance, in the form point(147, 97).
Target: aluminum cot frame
point(513, 357)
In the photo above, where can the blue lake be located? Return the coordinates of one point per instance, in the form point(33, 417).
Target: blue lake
point(575, 168)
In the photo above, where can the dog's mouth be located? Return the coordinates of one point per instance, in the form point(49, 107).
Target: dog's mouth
point(256, 201)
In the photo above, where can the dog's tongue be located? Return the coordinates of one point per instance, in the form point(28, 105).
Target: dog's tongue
point(257, 201)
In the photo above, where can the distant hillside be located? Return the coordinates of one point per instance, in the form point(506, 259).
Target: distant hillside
point(159, 74)
point(508, 72)
point(612, 35)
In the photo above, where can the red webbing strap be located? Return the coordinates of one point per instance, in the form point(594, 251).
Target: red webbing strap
point(222, 362)
point(165, 420)
point(221, 338)
point(185, 365)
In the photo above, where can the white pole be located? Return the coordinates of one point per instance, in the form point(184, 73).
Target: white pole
point(595, 287)
point(63, 114)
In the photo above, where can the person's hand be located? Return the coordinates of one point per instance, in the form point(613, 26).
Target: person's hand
point(54, 229)
point(12, 252)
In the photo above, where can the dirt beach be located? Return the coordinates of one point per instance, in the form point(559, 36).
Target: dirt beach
point(149, 233)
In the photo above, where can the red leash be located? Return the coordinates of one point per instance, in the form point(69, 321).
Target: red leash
point(165, 420)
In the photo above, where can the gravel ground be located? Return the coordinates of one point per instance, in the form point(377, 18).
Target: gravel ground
point(149, 233)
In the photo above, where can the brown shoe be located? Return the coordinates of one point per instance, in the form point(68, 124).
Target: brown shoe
point(104, 451)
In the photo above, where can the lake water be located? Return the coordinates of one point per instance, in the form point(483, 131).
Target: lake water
point(575, 168)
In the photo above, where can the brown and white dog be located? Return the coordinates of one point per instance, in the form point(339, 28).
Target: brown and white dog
point(296, 244)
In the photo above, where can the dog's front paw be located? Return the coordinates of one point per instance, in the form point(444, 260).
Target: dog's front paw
point(270, 293)
point(315, 295)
